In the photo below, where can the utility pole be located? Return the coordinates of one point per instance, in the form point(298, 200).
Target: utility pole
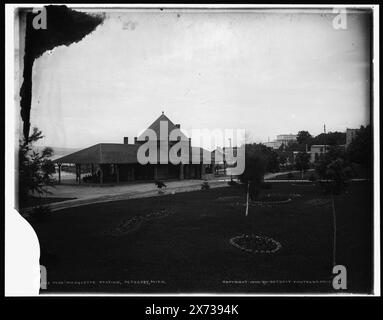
point(231, 177)
point(324, 130)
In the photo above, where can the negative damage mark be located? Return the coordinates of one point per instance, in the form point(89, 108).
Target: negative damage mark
point(64, 27)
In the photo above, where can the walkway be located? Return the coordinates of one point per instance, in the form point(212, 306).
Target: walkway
point(89, 194)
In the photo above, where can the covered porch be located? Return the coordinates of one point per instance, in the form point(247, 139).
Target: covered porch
point(125, 172)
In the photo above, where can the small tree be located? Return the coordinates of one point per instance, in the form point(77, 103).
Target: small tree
point(255, 168)
point(360, 149)
point(336, 172)
point(302, 162)
point(35, 168)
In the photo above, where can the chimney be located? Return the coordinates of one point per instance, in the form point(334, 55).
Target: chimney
point(126, 140)
point(178, 126)
point(135, 140)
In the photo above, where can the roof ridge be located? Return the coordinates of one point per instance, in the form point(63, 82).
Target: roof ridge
point(163, 115)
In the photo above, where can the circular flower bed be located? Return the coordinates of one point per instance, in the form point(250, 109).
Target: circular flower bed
point(255, 244)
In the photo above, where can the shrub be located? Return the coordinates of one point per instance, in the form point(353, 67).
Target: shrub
point(232, 183)
point(205, 185)
point(40, 213)
point(159, 184)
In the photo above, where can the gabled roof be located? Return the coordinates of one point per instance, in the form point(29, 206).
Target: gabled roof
point(103, 153)
point(156, 127)
point(124, 153)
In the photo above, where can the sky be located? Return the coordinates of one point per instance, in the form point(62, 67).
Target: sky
point(268, 72)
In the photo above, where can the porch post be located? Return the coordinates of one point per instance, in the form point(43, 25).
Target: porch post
point(117, 173)
point(133, 174)
point(101, 175)
point(79, 173)
point(59, 165)
point(155, 172)
point(181, 171)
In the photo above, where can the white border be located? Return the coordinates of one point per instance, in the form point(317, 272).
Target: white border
point(13, 279)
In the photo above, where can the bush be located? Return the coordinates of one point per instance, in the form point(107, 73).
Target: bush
point(232, 183)
point(40, 213)
point(159, 184)
point(90, 178)
point(205, 185)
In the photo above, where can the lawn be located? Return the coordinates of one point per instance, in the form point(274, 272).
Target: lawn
point(358, 173)
point(189, 249)
point(295, 175)
point(38, 201)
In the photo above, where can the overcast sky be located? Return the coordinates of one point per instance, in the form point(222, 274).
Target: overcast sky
point(268, 73)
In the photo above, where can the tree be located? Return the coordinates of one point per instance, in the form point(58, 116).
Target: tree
point(302, 162)
point(332, 153)
point(35, 168)
point(282, 158)
point(335, 170)
point(294, 146)
point(331, 138)
point(65, 26)
point(273, 161)
point(304, 138)
point(255, 168)
point(360, 149)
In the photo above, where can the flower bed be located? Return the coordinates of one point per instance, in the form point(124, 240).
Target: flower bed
point(228, 198)
point(275, 198)
point(318, 202)
point(134, 223)
point(303, 184)
point(272, 199)
point(255, 244)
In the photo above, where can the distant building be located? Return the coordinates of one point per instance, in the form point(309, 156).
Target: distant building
point(272, 144)
point(350, 135)
point(282, 139)
point(316, 151)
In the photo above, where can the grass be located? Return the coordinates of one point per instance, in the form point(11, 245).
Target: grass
point(295, 176)
point(189, 249)
point(38, 201)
